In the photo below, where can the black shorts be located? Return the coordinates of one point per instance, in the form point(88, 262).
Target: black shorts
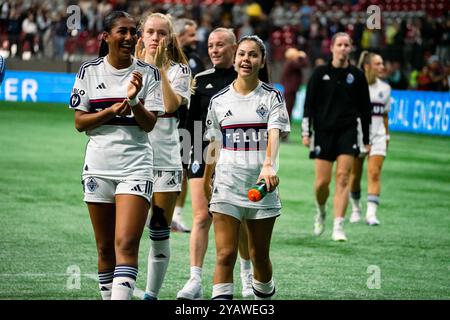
point(196, 166)
point(328, 145)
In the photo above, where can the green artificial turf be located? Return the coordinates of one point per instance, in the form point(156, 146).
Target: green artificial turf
point(45, 229)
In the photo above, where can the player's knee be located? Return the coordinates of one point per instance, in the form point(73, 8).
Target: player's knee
point(374, 174)
point(106, 252)
point(226, 257)
point(342, 179)
point(203, 220)
point(127, 246)
point(322, 184)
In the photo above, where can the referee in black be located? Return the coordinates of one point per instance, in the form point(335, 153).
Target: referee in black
point(336, 121)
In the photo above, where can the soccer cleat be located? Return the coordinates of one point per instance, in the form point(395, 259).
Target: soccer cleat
point(338, 231)
point(149, 297)
point(247, 288)
point(372, 220)
point(179, 227)
point(319, 226)
point(355, 217)
point(192, 290)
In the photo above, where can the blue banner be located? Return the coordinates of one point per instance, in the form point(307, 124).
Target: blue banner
point(37, 86)
point(420, 112)
point(411, 111)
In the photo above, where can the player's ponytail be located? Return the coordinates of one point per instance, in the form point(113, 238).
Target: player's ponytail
point(108, 24)
point(363, 59)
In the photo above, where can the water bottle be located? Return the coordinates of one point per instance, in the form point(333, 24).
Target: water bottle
point(258, 191)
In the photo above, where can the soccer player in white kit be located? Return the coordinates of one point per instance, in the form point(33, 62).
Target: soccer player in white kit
point(380, 98)
point(117, 99)
point(161, 48)
point(244, 124)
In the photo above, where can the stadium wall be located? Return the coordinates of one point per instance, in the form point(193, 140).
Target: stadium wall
point(411, 111)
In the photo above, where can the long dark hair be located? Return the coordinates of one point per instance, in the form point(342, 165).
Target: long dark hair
point(263, 74)
point(108, 24)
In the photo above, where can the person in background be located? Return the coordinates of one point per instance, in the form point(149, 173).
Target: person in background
point(336, 96)
point(380, 99)
point(291, 77)
point(186, 31)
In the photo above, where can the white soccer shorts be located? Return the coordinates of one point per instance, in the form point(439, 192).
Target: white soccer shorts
point(242, 213)
point(104, 190)
point(167, 181)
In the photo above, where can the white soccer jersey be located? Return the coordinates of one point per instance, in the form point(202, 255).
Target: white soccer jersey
point(380, 98)
point(243, 122)
point(165, 138)
point(119, 148)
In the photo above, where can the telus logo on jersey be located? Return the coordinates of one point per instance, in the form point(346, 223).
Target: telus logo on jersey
point(377, 109)
point(245, 137)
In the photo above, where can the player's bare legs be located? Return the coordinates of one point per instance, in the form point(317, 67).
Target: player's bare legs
point(177, 221)
point(355, 189)
point(131, 214)
point(259, 236)
point(375, 163)
point(324, 169)
point(226, 234)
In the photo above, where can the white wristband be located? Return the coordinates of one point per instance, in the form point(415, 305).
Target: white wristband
point(388, 137)
point(133, 102)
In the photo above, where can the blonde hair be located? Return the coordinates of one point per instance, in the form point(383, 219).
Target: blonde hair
point(174, 51)
point(365, 58)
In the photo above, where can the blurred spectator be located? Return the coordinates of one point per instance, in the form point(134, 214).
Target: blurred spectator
point(411, 31)
point(395, 77)
point(291, 76)
point(30, 29)
point(186, 30)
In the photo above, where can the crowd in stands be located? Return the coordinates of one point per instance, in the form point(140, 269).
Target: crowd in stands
point(414, 37)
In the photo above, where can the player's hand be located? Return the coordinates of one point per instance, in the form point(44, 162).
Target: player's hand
point(306, 141)
point(139, 50)
point(121, 108)
point(161, 54)
point(367, 147)
point(135, 85)
point(269, 175)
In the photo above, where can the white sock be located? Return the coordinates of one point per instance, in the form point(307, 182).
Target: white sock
point(158, 261)
point(196, 272)
point(124, 282)
point(320, 209)
point(246, 265)
point(263, 290)
point(105, 281)
point(372, 205)
point(177, 214)
point(223, 291)
point(355, 200)
point(338, 222)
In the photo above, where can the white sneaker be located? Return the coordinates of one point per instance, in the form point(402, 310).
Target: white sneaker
point(178, 226)
point(372, 221)
point(319, 226)
point(355, 217)
point(338, 231)
point(247, 285)
point(192, 290)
